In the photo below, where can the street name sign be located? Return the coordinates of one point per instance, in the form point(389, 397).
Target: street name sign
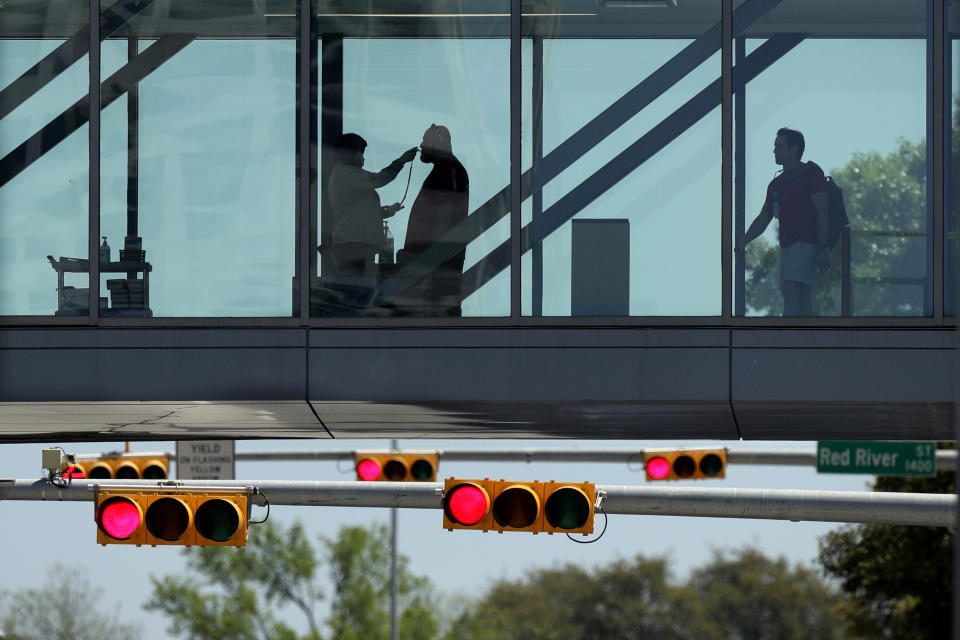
point(877, 458)
point(205, 460)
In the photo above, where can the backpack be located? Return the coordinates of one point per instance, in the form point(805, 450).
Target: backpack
point(836, 210)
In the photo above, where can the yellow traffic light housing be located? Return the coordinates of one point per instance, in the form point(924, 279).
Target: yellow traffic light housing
point(396, 467)
point(124, 466)
point(551, 507)
point(685, 464)
point(172, 517)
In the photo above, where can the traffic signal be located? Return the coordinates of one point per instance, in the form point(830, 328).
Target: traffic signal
point(396, 467)
point(487, 505)
point(685, 464)
point(172, 517)
point(123, 466)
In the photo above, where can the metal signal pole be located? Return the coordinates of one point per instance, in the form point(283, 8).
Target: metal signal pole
point(393, 565)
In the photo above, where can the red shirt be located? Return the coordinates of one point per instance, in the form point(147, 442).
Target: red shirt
point(797, 215)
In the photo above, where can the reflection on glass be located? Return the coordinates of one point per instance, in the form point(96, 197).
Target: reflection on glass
point(43, 162)
point(625, 117)
point(198, 165)
point(414, 235)
point(864, 125)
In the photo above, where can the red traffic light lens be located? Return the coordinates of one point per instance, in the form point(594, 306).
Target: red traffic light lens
point(368, 470)
point(74, 472)
point(658, 468)
point(467, 504)
point(119, 518)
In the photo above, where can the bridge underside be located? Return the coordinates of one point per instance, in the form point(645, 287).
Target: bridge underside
point(755, 384)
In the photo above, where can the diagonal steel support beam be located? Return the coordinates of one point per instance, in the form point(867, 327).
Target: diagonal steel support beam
point(558, 160)
point(628, 160)
point(58, 129)
point(55, 62)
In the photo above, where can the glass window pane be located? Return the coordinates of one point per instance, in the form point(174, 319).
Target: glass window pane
point(855, 89)
point(626, 218)
point(198, 164)
point(43, 184)
point(405, 236)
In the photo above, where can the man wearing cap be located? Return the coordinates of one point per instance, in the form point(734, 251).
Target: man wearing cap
point(357, 214)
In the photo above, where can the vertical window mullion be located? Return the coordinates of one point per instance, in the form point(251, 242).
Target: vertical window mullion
point(726, 146)
point(93, 200)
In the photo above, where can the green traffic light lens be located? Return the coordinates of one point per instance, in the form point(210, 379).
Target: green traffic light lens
point(421, 470)
point(516, 507)
point(567, 508)
point(684, 466)
point(167, 519)
point(711, 465)
point(217, 520)
point(395, 470)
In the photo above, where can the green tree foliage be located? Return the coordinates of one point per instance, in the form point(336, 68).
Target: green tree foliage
point(360, 567)
point(900, 579)
point(748, 595)
point(743, 594)
point(65, 606)
point(237, 593)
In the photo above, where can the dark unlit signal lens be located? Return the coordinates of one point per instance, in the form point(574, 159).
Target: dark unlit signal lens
point(421, 470)
point(395, 470)
point(217, 520)
point(516, 507)
point(167, 519)
point(154, 472)
point(567, 508)
point(127, 472)
point(684, 466)
point(100, 472)
point(711, 465)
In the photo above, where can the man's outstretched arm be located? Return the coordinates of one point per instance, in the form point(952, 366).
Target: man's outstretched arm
point(759, 225)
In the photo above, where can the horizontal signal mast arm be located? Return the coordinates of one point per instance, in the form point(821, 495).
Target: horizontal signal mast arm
point(921, 509)
point(946, 458)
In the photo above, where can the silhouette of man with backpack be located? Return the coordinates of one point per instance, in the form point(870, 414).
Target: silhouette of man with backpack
point(798, 198)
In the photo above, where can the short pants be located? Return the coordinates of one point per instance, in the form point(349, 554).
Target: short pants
point(798, 262)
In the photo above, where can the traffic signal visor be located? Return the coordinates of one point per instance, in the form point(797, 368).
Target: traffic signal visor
point(172, 517)
point(685, 464)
